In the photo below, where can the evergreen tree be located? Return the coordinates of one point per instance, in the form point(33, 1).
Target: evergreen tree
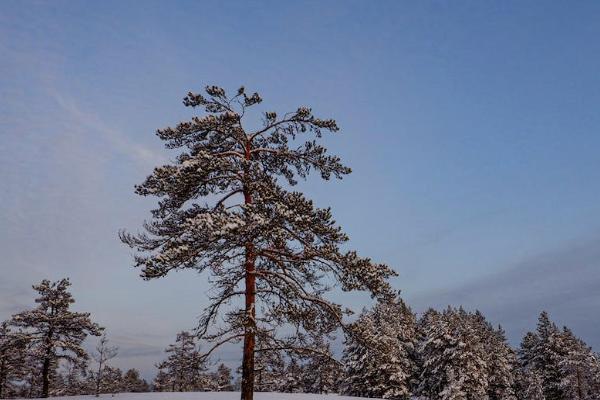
point(453, 358)
point(56, 333)
point(500, 359)
point(112, 380)
point(529, 385)
point(133, 383)
point(578, 367)
point(184, 366)
point(72, 381)
point(270, 371)
point(380, 358)
point(224, 379)
point(567, 367)
point(161, 382)
point(12, 358)
point(322, 374)
point(223, 207)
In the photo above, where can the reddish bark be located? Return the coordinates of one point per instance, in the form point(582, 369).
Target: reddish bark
point(247, 389)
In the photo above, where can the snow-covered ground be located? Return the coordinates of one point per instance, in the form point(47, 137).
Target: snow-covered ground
point(210, 396)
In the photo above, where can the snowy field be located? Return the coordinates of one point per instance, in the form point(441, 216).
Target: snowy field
point(210, 396)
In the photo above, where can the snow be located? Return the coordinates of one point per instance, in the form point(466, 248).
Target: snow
point(209, 396)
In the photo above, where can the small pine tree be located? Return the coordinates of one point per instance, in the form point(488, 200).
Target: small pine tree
point(133, 383)
point(270, 371)
point(56, 332)
point(112, 380)
point(184, 367)
point(223, 379)
point(292, 382)
point(322, 373)
point(161, 382)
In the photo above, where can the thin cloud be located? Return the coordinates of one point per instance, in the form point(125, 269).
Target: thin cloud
point(142, 155)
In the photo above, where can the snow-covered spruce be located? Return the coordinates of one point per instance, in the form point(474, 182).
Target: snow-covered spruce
point(380, 354)
point(223, 207)
point(564, 365)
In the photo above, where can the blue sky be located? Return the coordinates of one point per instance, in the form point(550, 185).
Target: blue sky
point(471, 127)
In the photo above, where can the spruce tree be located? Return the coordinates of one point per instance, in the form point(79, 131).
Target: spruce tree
point(56, 333)
point(578, 367)
point(567, 367)
point(380, 356)
point(529, 385)
point(225, 206)
point(453, 357)
point(499, 357)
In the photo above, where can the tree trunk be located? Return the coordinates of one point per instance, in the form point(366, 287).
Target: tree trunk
point(247, 389)
point(249, 334)
point(45, 377)
point(2, 377)
point(99, 375)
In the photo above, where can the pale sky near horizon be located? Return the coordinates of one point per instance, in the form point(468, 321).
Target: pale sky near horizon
point(471, 128)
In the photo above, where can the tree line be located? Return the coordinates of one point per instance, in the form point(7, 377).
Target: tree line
point(389, 352)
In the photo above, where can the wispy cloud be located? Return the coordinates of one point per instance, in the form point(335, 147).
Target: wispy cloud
point(122, 144)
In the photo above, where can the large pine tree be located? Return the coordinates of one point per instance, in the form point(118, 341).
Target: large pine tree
point(225, 206)
point(55, 332)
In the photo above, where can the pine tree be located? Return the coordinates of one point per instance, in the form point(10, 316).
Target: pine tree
point(322, 374)
point(12, 358)
point(161, 382)
point(104, 353)
point(72, 381)
point(269, 371)
point(133, 383)
point(223, 207)
point(111, 380)
point(292, 382)
point(223, 379)
point(380, 358)
point(184, 367)
point(56, 333)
